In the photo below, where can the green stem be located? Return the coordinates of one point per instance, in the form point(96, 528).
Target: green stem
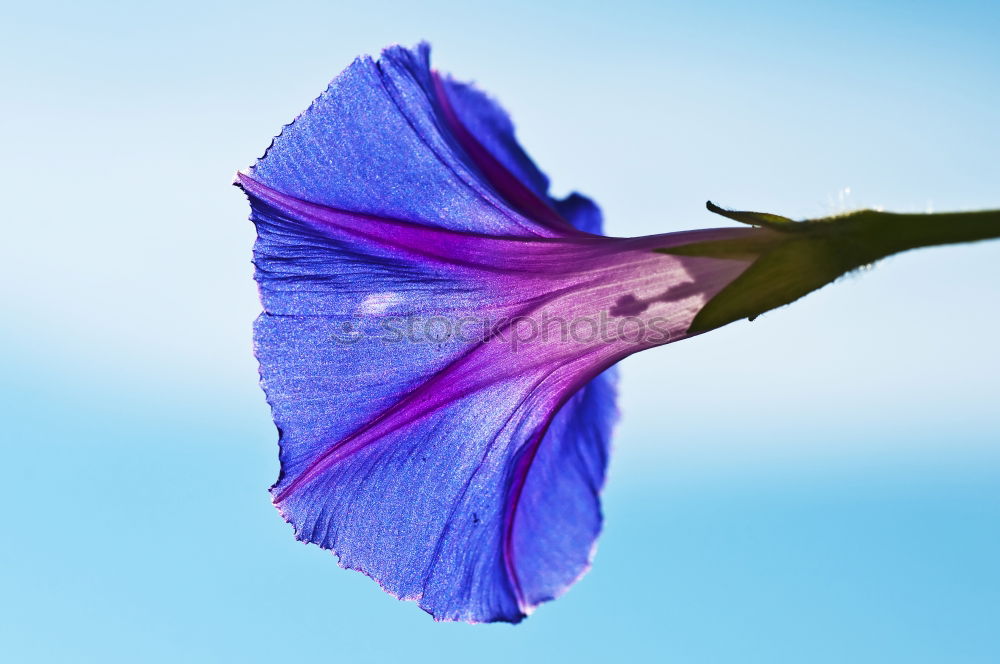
point(791, 259)
point(888, 233)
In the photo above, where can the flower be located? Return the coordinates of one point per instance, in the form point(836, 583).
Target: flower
point(438, 336)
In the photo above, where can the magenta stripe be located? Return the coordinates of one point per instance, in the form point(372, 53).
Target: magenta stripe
point(523, 199)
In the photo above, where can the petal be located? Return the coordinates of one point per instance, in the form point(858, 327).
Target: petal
point(486, 133)
point(419, 504)
point(582, 212)
point(421, 507)
point(490, 126)
point(554, 528)
point(375, 142)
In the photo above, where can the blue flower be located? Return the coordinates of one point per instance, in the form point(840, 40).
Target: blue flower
point(439, 333)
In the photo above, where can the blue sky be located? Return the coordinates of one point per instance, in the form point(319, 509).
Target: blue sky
point(821, 485)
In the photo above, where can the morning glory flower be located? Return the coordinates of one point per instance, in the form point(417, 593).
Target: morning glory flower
point(439, 335)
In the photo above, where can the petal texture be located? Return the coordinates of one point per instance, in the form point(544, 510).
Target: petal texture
point(376, 141)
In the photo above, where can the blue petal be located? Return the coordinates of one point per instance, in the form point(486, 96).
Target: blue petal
point(375, 142)
point(558, 514)
point(442, 509)
point(490, 127)
point(582, 212)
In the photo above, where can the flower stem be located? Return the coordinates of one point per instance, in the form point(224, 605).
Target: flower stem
point(792, 259)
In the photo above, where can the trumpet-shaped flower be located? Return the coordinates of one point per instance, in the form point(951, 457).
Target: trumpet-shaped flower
point(439, 333)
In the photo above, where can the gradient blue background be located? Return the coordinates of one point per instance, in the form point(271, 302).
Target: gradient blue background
point(821, 485)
